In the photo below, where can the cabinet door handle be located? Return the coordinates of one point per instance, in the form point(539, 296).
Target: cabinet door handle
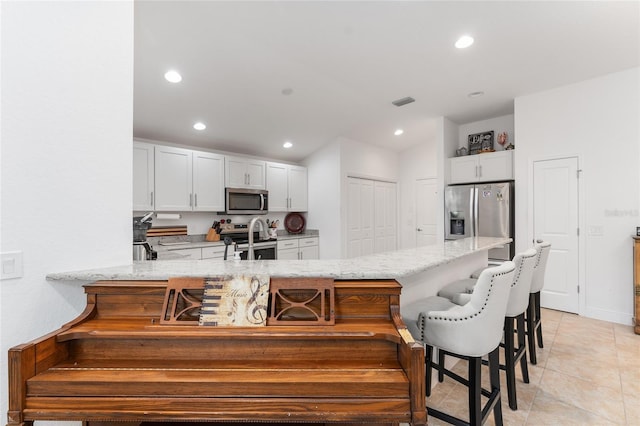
point(190, 200)
point(151, 198)
point(480, 170)
point(196, 200)
point(248, 178)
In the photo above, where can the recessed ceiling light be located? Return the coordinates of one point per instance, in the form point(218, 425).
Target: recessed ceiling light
point(173, 76)
point(475, 94)
point(398, 132)
point(287, 91)
point(199, 126)
point(287, 144)
point(464, 42)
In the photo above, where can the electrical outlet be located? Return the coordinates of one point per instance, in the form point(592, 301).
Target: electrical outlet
point(11, 265)
point(596, 231)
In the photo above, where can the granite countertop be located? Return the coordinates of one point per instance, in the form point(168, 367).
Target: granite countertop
point(387, 265)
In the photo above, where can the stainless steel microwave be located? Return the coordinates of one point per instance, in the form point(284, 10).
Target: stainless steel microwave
point(246, 201)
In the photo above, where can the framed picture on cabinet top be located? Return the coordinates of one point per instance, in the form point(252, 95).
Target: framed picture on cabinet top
point(481, 142)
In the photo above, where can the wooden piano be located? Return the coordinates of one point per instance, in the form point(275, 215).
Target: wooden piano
point(340, 356)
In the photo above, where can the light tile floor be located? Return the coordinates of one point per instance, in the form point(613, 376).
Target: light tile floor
point(588, 373)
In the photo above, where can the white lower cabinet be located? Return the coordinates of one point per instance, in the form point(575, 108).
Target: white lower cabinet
point(298, 249)
point(191, 253)
point(215, 252)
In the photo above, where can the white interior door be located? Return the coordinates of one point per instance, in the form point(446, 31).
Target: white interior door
point(360, 218)
point(426, 211)
point(385, 216)
point(555, 219)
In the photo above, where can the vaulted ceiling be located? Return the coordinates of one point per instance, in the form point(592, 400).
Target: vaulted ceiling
point(262, 73)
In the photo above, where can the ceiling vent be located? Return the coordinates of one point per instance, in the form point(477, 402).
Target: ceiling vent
point(403, 101)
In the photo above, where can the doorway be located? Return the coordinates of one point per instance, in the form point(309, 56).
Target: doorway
point(426, 197)
point(555, 219)
point(371, 216)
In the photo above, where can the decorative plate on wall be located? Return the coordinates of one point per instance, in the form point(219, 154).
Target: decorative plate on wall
point(294, 223)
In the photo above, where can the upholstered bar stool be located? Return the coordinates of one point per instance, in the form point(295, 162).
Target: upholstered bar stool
point(533, 317)
point(516, 307)
point(468, 332)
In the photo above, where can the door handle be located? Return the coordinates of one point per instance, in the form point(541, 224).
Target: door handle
point(418, 229)
point(196, 200)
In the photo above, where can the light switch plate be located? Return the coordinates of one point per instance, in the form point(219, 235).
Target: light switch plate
point(11, 265)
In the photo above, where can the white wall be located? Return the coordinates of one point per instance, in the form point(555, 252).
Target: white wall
point(360, 159)
point(498, 125)
point(323, 175)
point(422, 161)
point(66, 156)
point(596, 120)
point(419, 162)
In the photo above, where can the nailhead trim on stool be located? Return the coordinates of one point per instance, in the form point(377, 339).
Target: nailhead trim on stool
point(467, 332)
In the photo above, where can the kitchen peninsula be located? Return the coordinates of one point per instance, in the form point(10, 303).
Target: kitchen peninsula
point(398, 264)
point(342, 356)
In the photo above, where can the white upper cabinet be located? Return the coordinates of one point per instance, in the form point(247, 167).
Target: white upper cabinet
point(244, 173)
point(287, 186)
point(188, 180)
point(493, 166)
point(297, 184)
point(277, 187)
point(143, 177)
point(208, 182)
point(174, 179)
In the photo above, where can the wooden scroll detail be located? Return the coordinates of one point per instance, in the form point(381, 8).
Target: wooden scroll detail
point(301, 301)
point(182, 301)
point(292, 301)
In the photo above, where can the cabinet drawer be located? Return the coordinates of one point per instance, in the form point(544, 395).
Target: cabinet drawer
point(306, 242)
point(215, 252)
point(287, 244)
point(192, 253)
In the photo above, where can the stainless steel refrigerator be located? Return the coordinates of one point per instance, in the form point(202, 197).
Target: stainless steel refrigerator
point(481, 210)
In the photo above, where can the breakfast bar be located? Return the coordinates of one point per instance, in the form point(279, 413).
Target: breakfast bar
point(333, 348)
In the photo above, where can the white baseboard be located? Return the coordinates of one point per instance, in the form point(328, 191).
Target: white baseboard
point(611, 316)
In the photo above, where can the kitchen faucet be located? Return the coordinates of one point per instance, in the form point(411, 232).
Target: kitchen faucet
point(265, 233)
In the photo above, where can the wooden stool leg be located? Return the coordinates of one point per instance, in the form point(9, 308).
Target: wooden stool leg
point(538, 320)
point(522, 348)
point(475, 391)
point(441, 364)
point(509, 352)
point(531, 329)
point(427, 374)
point(494, 377)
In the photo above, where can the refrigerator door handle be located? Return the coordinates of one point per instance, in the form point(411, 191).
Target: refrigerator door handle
point(472, 212)
point(476, 211)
